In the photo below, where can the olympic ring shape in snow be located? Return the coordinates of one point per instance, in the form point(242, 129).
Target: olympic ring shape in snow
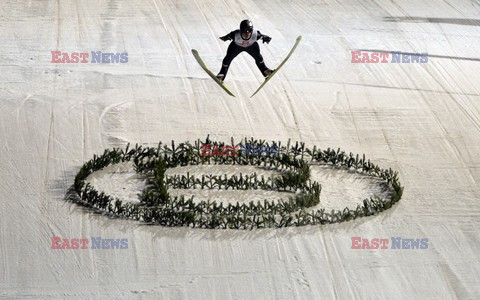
point(158, 207)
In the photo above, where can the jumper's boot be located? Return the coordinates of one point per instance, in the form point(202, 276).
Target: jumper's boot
point(221, 77)
point(267, 73)
point(223, 72)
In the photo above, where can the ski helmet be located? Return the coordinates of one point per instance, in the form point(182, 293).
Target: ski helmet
point(246, 26)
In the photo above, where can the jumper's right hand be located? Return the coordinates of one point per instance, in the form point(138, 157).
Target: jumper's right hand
point(225, 38)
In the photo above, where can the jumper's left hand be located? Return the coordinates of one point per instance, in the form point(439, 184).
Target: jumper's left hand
point(266, 39)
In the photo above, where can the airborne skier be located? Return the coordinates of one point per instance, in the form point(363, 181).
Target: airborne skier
point(244, 39)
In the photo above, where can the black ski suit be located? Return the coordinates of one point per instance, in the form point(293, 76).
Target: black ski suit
point(239, 44)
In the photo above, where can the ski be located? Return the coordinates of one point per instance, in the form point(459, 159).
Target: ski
point(279, 66)
point(204, 66)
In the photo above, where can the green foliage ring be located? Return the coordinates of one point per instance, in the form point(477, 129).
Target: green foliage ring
point(157, 206)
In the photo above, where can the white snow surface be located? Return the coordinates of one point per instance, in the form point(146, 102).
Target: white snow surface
point(420, 119)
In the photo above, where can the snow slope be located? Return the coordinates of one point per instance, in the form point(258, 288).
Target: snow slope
point(420, 119)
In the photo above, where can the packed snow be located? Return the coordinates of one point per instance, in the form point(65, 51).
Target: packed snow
point(421, 119)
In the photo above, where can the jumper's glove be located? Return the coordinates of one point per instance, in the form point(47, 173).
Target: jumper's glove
point(225, 38)
point(266, 39)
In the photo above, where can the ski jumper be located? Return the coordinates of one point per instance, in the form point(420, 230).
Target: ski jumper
point(238, 45)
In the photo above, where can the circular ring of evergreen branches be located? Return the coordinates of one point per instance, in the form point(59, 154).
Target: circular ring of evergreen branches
point(158, 207)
